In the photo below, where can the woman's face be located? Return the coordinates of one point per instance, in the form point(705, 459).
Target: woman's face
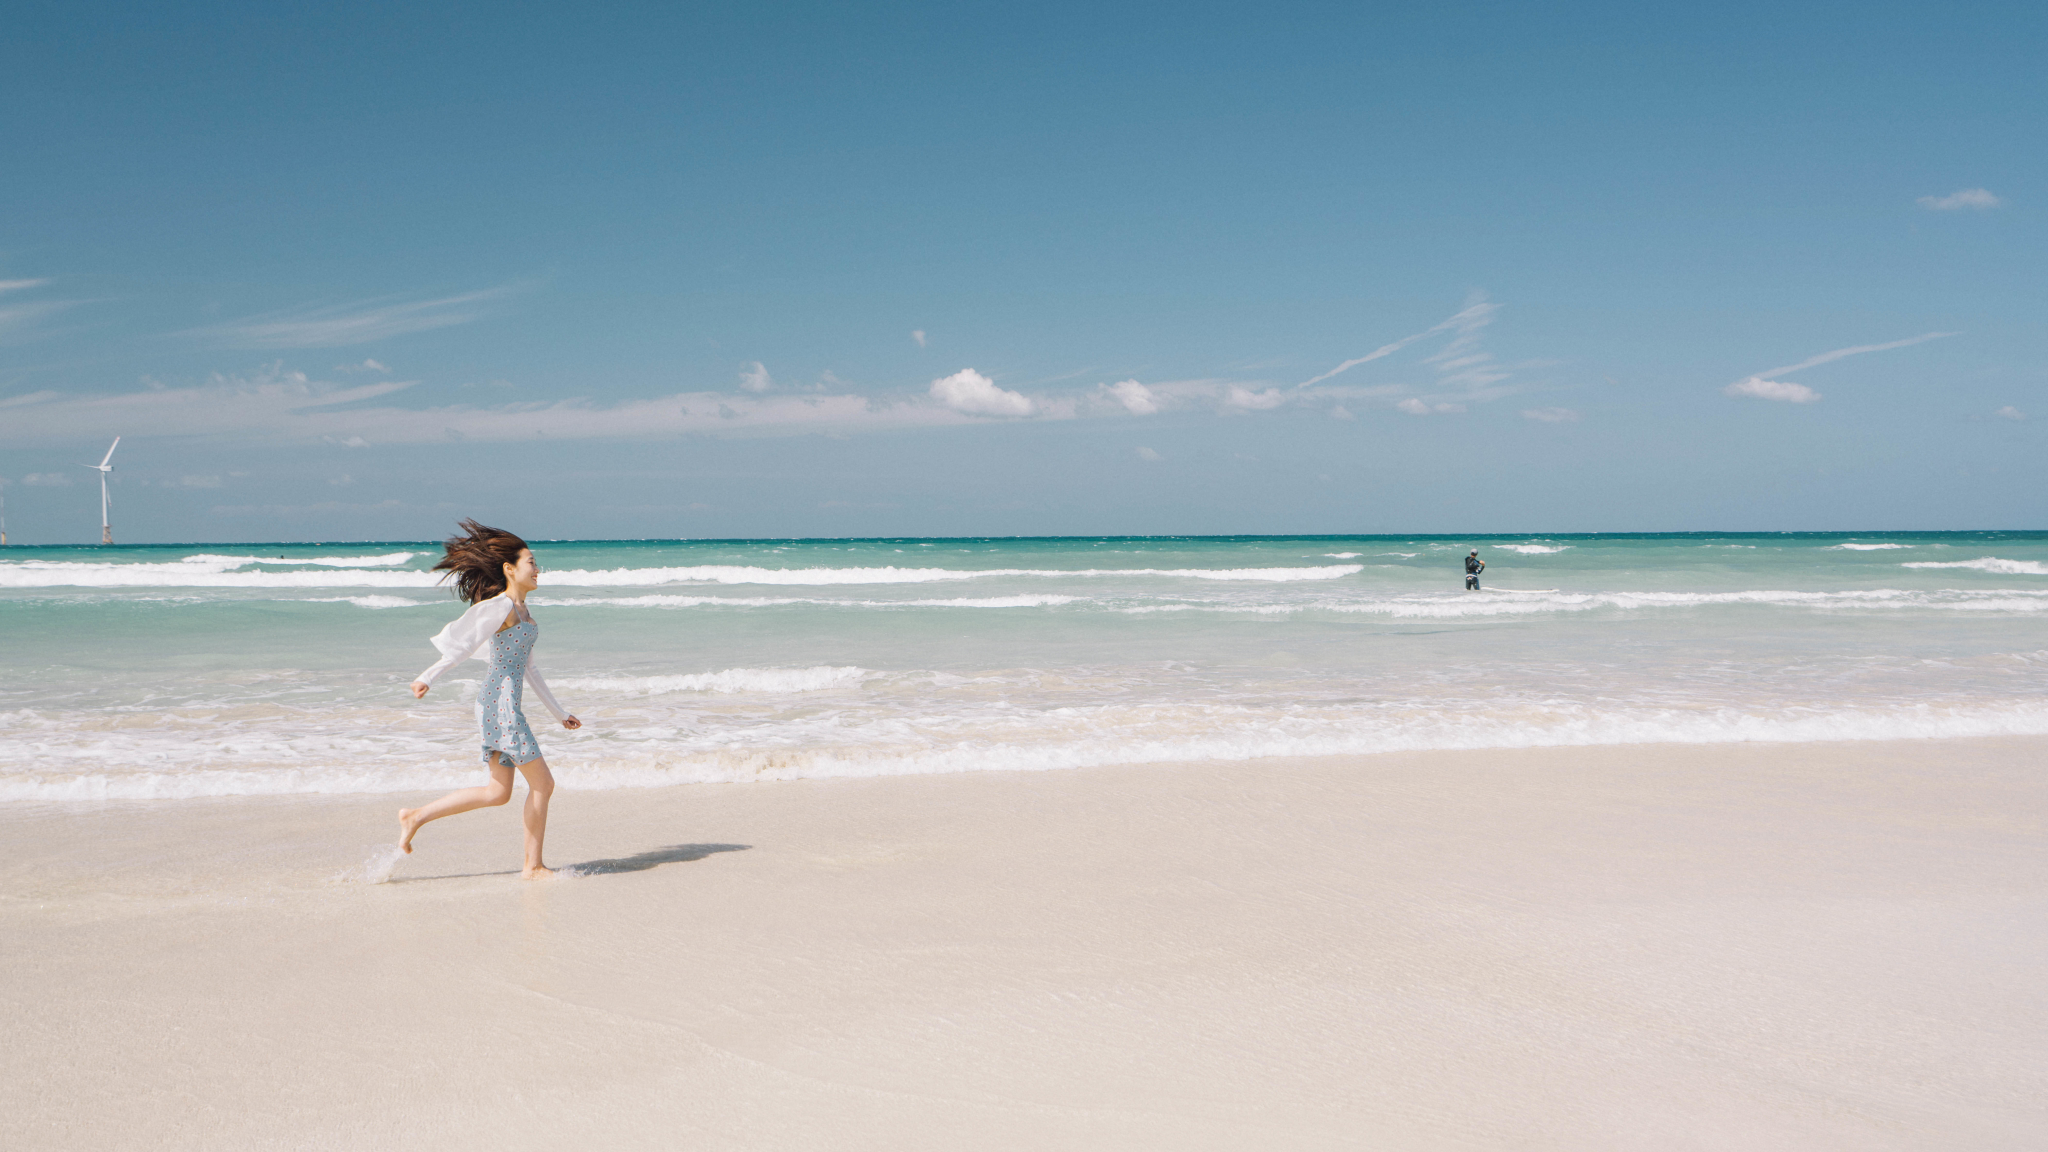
point(525, 573)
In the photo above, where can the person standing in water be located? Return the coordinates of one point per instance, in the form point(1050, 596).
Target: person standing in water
point(493, 571)
point(1473, 567)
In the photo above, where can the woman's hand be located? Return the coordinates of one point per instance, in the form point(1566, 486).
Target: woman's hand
point(572, 723)
point(419, 690)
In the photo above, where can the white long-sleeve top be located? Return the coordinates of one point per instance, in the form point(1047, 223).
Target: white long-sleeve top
point(466, 635)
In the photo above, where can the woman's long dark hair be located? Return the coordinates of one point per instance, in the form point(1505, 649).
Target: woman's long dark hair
point(477, 558)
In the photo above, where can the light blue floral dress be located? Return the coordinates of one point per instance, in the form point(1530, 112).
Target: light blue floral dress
point(499, 697)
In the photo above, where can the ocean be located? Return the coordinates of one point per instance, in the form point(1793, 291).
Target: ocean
point(167, 672)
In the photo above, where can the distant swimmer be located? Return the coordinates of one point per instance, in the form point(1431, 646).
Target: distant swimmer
point(1473, 567)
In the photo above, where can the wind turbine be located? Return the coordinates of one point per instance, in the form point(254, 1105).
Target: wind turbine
point(104, 467)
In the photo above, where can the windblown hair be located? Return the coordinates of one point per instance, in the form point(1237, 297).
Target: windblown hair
point(477, 560)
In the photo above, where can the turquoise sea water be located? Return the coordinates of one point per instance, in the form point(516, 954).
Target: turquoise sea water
point(166, 672)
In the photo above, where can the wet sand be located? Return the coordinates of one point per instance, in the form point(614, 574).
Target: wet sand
point(1658, 947)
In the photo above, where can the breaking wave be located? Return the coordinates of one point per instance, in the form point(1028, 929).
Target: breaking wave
point(728, 682)
point(228, 572)
point(1052, 739)
point(1986, 564)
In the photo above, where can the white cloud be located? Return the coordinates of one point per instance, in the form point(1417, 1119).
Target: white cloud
point(365, 366)
point(2010, 413)
point(919, 337)
point(1340, 412)
point(47, 480)
point(1418, 407)
point(754, 377)
point(1550, 415)
point(1763, 387)
point(191, 482)
point(342, 481)
point(970, 392)
point(1978, 198)
point(1149, 455)
point(345, 324)
point(1133, 396)
point(1253, 401)
point(18, 285)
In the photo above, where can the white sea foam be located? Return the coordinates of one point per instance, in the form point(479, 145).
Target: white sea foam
point(220, 572)
point(735, 574)
point(659, 601)
point(730, 681)
point(1529, 602)
point(388, 560)
point(216, 572)
point(367, 601)
point(1069, 738)
point(1869, 547)
point(1342, 555)
point(1532, 549)
point(1987, 564)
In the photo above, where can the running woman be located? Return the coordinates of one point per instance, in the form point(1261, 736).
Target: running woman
point(493, 571)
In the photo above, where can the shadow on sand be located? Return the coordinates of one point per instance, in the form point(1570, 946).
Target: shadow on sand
point(638, 862)
point(652, 858)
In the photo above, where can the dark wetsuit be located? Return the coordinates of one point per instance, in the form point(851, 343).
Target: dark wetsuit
point(1473, 566)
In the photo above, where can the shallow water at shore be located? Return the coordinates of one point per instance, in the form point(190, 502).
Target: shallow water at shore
point(166, 672)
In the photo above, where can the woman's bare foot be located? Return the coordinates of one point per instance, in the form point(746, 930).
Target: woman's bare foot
point(406, 826)
point(537, 872)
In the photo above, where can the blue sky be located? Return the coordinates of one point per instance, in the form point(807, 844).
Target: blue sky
point(349, 272)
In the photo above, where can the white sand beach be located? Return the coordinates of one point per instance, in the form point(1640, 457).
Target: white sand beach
point(1825, 946)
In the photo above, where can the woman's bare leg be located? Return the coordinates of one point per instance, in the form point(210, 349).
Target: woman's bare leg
point(540, 784)
point(496, 792)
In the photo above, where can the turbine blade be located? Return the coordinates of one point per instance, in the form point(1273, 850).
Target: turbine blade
point(110, 451)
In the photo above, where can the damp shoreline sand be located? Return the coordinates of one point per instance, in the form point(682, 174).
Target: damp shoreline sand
point(1653, 946)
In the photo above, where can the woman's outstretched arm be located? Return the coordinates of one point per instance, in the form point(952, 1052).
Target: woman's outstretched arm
point(539, 685)
point(462, 637)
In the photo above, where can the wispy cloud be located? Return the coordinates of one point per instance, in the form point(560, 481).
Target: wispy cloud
point(1149, 456)
point(1764, 386)
point(754, 377)
point(2010, 413)
point(1978, 198)
point(918, 336)
point(1475, 316)
point(345, 324)
point(1550, 415)
point(19, 321)
point(277, 405)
